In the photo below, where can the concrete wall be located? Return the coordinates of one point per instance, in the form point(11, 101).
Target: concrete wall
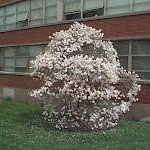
point(138, 112)
point(19, 94)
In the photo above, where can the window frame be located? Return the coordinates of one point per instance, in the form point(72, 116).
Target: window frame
point(15, 57)
point(130, 57)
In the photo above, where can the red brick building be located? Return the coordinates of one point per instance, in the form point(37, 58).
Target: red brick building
point(25, 26)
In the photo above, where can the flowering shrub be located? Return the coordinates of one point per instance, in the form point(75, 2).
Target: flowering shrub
point(84, 87)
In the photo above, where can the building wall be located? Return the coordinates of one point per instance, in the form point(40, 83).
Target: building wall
point(127, 26)
point(144, 94)
point(18, 81)
point(116, 27)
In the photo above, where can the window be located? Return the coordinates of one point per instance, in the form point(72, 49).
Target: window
point(2, 18)
point(118, 7)
point(9, 59)
point(122, 48)
point(141, 58)
point(135, 57)
point(141, 5)
point(72, 9)
point(17, 59)
point(21, 59)
point(33, 52)
point(23, 10)
point(50, 11)
point(11, 17)
point(36, 12)
point(1, 59)
point(92, 8)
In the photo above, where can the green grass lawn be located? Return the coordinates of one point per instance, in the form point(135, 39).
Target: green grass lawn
point(22, 128)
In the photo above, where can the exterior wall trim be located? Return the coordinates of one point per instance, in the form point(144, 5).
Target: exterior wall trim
point(27, 44)
point(129, 38)
point(14, 73)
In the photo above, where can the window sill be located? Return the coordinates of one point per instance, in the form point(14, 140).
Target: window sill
point(14, 73)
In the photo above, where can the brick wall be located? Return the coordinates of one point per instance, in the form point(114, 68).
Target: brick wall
point(144, 94)
point(18, 81)
point(7, 1)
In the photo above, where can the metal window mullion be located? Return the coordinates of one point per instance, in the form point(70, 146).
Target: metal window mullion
point(131, 6)
point(16, 16)
point(29, 14)
point(105, 6)
point(135, 55)
point(3, 59)
point(59, 10)
point(81, 9)
point(15, 58)
point(4, 18)
point(143, 71)
point(42, 49)
point(27, 59)
point(130, 56)
point(44, 5)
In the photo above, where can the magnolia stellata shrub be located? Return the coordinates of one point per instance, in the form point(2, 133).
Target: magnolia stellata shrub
point(84, 86)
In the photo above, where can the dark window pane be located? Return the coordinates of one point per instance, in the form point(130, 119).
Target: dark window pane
point(35, 50)
point(1, 62)
point(10, 51)
point(19, 69)
point(141, 63)
point(141, 47)
point(1, 28)
point(122, 47)
point(21, 62)
point(21, 24)
point(9, 69)
point(144, 75)
point(22, 51)
point(92, 13)
point(124, 61)
point(1, 51)
point(72, 16)
point(9, 62)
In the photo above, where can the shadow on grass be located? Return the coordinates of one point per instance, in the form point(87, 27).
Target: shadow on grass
point(34, 119)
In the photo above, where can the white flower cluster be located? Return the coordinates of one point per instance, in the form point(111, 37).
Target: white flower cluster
point(83, 83)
